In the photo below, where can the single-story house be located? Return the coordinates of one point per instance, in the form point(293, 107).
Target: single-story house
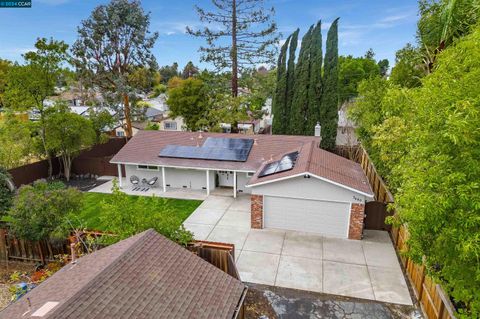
point(293, 183)
point(144, 276)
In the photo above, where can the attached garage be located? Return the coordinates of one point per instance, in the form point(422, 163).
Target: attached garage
point(308, 203)
point(315, 216)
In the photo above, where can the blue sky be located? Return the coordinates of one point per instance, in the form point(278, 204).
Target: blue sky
point(384, 25)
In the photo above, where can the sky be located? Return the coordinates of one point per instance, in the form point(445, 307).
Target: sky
point(383, 25)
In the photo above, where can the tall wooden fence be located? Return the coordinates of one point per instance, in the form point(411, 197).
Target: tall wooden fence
point(434, 301)
point(95, 161)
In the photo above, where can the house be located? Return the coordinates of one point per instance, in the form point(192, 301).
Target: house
point(144, 276)
point(293, 183)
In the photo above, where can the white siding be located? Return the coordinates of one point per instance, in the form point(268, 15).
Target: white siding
point(242, 179)
point(185, 178)
point(148, 174)
point(308, 188)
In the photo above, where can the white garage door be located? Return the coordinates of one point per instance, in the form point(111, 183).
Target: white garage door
point(321, 217)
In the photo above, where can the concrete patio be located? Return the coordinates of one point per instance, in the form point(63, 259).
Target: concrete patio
point(157, 191)
point(366, 269)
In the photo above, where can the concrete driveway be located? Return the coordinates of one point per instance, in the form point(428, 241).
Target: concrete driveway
point(366, 269)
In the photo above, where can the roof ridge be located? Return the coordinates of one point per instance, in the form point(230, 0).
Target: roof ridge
point(140, 239)
point(310, 153)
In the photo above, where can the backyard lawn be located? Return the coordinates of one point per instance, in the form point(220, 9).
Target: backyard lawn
point(90, 216)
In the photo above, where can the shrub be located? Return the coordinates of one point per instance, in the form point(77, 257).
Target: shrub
point(40, 211)
point(6, 194)
point(126, 218)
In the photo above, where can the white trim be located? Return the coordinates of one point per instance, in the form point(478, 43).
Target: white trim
point(208, 181)
point(187, 167)
point(164, 180)
point(119, 166)
point(234, 184)
point(318, 177)
point(349, 220)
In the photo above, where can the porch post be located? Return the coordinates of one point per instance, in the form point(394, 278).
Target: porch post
point(208, 182)
point(119, 166)
point(234, 184)
point(164, 182)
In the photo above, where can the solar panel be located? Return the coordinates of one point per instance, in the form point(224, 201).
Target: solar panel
point(220, 149)
point(287, 162)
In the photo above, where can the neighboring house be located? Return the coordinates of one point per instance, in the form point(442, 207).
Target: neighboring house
point(168, 123)
point(144, 276)
point(293, 183)
point(140, 122)
point(346, 128)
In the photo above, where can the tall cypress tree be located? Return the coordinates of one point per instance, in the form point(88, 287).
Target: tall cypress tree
point(329, 106)
point(300, 97)
point(279, 101)
point(290, 79)
point(315, 85)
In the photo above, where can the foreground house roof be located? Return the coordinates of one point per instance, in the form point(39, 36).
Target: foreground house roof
point(145, 147)
point(144, 276)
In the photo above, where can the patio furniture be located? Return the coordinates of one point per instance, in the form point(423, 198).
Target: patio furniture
point(152, 182)
point(135, 181)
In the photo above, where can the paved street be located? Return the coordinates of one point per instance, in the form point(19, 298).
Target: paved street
point(366, 269)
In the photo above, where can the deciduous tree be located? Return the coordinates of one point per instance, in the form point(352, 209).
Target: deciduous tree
point(67, 134)
point(30, 85)
point(112, 43)
point(189, 100)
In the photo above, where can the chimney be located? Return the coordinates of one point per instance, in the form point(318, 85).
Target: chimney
point(318, 130)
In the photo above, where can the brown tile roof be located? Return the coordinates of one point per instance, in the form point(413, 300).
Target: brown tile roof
point(145, 276)
point(145, 147)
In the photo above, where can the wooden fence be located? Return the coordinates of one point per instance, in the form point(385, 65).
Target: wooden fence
point(434, 301)
point(43, 251)
point(94, 161)
point(220, 255)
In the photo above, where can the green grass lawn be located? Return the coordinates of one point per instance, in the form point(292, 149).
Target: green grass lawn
point(90, 216)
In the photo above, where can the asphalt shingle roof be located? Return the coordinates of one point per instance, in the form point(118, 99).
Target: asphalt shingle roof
point(145, 276)
point(145, 146)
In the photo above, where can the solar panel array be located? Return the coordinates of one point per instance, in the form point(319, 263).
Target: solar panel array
point(220, 149)
point(285, 164)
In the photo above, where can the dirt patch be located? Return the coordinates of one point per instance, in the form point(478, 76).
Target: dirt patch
point(268, 302)
point(6, 271)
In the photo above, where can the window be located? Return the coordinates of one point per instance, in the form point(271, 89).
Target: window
point(147, 168)
point(120, 133)
point(170, 125)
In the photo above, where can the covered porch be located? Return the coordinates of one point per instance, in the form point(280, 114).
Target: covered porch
point(182, 180)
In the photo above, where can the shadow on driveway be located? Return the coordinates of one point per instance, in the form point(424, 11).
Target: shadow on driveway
point(267, 302)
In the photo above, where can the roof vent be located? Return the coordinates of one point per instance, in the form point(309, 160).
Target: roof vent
point(46, 308)
point(255, 142)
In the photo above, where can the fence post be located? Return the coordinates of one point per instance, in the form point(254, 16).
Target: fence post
point(3, 245)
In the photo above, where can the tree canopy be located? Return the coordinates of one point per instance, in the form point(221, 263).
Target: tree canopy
point(249, 29)
point(426, 143)
point(112, 44)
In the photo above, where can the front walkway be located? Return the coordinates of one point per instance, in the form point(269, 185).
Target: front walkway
point(366, 269)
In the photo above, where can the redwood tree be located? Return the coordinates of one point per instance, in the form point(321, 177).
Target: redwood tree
point(246, 36)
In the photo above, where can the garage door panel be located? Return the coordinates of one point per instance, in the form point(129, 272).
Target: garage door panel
point(321, 217)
